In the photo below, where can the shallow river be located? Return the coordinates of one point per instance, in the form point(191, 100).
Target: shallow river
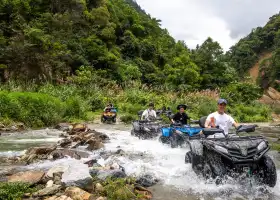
point(177, 179)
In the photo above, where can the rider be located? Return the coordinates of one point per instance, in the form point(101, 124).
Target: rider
point(108, 107)
point(181, 116)
point(149, 113)
point(220, 118)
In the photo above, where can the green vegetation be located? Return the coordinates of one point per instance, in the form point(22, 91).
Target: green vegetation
point(72, 57)
point(118, 188)
point(115, 39)
point(14, 191)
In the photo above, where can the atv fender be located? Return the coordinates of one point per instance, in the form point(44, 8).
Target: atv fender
point(270, 175)
point(196, 147)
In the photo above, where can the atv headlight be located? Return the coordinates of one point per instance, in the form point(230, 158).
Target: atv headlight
point(221, 149)
point(262, 145)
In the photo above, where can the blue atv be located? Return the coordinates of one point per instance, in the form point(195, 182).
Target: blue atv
point(177, 134)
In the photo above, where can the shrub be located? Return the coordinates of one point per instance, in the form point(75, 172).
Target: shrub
point(127, 118)
point(76, 107)
point(13, 191)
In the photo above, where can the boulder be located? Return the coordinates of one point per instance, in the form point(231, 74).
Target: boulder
point(266, 100)
point(31, 177)
point(274, 94)
point(77, 175)
point(75, 191)
point(62, 126)
point(145, 193)
point(64, 142)
point(103, 174)
point(94, 145)
point(49, 184)
point(40, 150)
point(91, 162)
point(147, 180)
point(62, 153)
point(56, 169)
point(47, 191)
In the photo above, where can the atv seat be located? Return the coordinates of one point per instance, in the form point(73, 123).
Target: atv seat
point(211, 131)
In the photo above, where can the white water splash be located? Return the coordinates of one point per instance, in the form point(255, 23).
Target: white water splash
point(167, 164)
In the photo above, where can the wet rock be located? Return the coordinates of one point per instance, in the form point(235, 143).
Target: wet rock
point(78, 128)
point(94, 145)
point(103, 174)
point(147, 180)
point(47, 191)
point(62, 153)
point(77, 175)
point(120, 152)
point(56, 169)
point(31, 177)
point(63, 135)
point(57, 178)
point(75, 191)
point(64, 142)
point(49, 184)
point(40, 150)
point(75, 145)
point(145, 193)
point(63, 126)
point(91, 162)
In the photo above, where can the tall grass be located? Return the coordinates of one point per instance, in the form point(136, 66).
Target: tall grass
point(48, 104)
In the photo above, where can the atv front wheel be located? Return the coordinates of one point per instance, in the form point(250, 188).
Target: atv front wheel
point(188, 157)
point(207, 171)
point(132, 132)
point(269, 170)
point(176, 140)
point(114, 120)
point(164, 140)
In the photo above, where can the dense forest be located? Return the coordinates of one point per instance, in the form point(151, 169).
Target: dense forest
point(46, 40)
point(64, 60)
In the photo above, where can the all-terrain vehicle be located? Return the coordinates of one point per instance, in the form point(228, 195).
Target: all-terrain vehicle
point(148, 129)
point(216, 155)
point(177, 134)
point(109, 115)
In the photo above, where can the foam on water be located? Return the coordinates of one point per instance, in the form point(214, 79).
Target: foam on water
point(167, 164)
point(35, 140)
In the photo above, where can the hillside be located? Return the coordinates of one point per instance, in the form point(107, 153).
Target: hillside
point(258, 53)
point(114, 39)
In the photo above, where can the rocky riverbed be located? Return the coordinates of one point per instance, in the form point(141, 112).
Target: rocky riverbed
point(75, 161)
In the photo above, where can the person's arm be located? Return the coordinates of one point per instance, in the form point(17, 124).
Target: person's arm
point(234, 123)
point(155, 114)
point(172, 119)
point(144, 115)
point(207, 122)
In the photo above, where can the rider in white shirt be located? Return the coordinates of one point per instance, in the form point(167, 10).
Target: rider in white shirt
point(149, 113)
point(220, 118)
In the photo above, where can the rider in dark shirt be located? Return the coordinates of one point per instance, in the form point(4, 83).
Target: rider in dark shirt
point(181, 116)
